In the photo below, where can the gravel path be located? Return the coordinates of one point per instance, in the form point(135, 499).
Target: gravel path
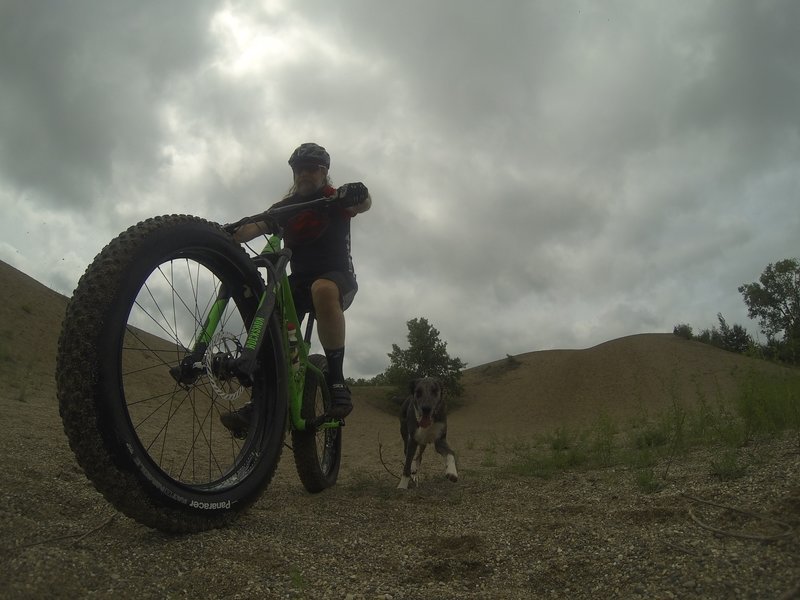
point(585, 534)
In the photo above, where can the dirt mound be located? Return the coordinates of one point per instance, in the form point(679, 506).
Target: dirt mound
point(631, 377)
point(519, 396)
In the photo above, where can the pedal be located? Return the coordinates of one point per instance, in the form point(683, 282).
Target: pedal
point(315, 424)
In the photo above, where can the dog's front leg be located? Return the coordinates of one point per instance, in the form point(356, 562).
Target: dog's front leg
point(417, 463)
point(411, 449)
point(443, 448)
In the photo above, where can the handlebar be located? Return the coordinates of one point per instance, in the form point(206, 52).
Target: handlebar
point(288, 209)
point(275, 214)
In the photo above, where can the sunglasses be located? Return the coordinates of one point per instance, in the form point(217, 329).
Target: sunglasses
point(307, 169)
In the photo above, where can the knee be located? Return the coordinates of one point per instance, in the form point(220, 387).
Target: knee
point(325, 294)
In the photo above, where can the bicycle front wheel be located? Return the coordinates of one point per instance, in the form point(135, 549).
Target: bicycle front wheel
point(317, 454)
point(141, 417)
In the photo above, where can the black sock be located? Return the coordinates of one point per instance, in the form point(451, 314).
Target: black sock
point(335, 365)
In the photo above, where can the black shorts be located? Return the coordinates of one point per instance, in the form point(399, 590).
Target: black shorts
point(301, 289)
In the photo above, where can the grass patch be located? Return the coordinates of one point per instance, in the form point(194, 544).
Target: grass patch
point(560, 451)
point(602, 445)
point(490, 451)
point(641, 459)
point(560, 439)
point(648, 482)
point(726, 466)
point(652, 436)
point(298, 581)
point(768, 405)
point(765, 406)
point(489, 460)
point(532, 465)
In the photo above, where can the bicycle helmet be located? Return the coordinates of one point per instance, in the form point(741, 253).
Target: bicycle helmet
point(310, 153)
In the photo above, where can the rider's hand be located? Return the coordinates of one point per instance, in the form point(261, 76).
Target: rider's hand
point(231, 227)
point(352, 194)
point(244, 232)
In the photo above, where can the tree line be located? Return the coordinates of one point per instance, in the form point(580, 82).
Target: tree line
point(774, 301)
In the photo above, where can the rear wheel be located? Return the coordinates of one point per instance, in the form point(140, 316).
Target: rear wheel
point(142, 413)
point(317, 454)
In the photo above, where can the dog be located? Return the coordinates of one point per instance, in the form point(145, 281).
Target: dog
point(423, 421)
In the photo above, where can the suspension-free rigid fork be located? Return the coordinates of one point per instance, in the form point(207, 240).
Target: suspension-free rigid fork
point(243, 365)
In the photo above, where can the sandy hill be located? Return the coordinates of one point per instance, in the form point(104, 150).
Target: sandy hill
point(632, 377)
point(629, 377)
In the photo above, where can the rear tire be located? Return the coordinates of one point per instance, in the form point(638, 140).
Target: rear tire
point(317, 454)
point(152, 446)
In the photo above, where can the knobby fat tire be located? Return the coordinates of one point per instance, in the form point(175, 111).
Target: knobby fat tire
point(318, 468)
point(91, 395)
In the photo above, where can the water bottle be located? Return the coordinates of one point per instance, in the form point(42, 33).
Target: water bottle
point(294, 352)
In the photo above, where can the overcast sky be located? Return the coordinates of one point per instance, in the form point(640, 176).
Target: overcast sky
point(544, 174)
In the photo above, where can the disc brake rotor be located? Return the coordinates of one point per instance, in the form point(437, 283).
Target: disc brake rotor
point(224, 348)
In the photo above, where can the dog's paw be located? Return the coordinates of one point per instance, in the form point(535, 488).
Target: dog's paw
point(450, 469)
point(403, 485)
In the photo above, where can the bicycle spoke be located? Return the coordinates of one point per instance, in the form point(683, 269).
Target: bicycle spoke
point(211, 454)
point(145, 346)
point(176, 294)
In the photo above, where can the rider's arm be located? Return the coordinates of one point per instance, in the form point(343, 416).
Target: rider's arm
point(250, 231)
point(355, 197)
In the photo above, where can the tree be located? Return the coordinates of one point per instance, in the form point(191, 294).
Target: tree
point(426, 356)
point(735, 338)
point(683, 330)
point(775, 302)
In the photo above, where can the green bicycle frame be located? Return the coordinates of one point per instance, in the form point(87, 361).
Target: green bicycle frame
point(286, 308)
point(277, 296)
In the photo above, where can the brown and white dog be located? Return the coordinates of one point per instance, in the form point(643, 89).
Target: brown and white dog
point(423, 421)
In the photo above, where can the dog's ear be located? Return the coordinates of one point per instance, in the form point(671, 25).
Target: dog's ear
point(412, 385)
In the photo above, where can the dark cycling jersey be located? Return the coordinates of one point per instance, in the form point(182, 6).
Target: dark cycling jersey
point(318, 238)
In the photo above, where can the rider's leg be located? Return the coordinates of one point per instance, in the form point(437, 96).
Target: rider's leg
point(327, 301)
point(330, 316)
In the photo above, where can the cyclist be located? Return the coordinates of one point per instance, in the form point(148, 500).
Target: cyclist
point(322, 279)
